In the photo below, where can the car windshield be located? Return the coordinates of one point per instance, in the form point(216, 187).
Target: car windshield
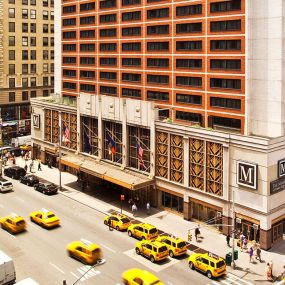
point(155, 282)
point(153, 231)
point(162, 249)
point(181, 244)
point(125, 220)
point(7, 184)
point(20, 223)
point(220, 264)
point(95, 251)
point(50, 216)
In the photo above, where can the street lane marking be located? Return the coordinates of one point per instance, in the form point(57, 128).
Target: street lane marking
point(105, 246)
point(20, 199)
point(238, 278)
point(74, 275)
point(225, 282)
point(83, 271)
point(56, 267)
point(215, 283)
point(11, 235)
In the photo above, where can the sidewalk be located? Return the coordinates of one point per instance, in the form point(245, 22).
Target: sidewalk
point(211, 239)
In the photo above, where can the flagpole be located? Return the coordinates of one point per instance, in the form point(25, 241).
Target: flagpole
point(59, 158)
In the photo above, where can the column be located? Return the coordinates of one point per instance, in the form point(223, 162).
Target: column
point(124, 134)
point(78, 123)
point(186, 161)
point(100, 129)
point(152, 144)
point(265, 239)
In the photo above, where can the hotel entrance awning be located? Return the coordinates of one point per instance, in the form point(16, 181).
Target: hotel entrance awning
point(108, 172)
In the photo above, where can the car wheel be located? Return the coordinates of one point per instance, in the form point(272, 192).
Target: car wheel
point(143, 238)
point(152, 259)
point(209, 274)
point(117, 228)
point(31, 219)
point(69, 254)
point(191, 265)
point(171, 254)
point(105, 223)
point(130, 234)
point(138, 251)
point(13, 177)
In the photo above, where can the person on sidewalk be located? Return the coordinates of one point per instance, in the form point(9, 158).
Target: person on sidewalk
point(268, 272)
point(22, 154)
point(134, 209)
point(228, 238)
point(148, 208)
point(258, 253)
point(250, 254)
point(26, 168)
point(197, 232)
point(39, 166)
point(31, 166)
point(271, 267)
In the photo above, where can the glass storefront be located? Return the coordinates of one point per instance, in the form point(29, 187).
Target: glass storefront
point(278, 230)
point(249, 229)
point(172, 202)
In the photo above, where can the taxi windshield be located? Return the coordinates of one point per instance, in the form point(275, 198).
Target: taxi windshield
point(220, 264)
point(162, 249)
point(181, 244)
point(125, 220)
point(50, 216)
point(20, 223)
point(95, 251)
point(155, 282)
point(153, 231)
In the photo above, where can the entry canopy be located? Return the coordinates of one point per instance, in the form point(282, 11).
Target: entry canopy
point(123, 177)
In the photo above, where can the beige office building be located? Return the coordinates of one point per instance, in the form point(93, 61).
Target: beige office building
point(26, 61)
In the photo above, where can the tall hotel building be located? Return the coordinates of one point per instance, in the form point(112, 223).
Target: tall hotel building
point(177, 102)
point(26, 61)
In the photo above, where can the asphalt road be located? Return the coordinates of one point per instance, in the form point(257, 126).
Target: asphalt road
point(41, 254)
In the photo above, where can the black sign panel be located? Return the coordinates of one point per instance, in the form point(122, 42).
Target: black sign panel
point(281, 168)
point(277, 185)
point(247, 174)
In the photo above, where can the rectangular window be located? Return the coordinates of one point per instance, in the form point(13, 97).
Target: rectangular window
point(33, 41)
point(11, 13)
point(158, 46)
point(45, 67)
point(25, 41)
point(108, 47)
point(70, 22)
point(12, 69)
point(225, 103)
point(158, 13)
point(225, 122)
point(25, 82)
point(33, 93)
point(12, 82)
point(225, 45)
point(158, 62)
point(25, 95)
point(133, 93)
point(225, 6)
point(225, 83)
point(12, 41)
point(131, 46)
point(188, 99)
point(226, 64)
point(33, 14)
point(108, 61)
point(33, 55)
point(87, 47)
point(25, 27)
point(107, 4)
point(108, 75)
point(160, 79)
point(45, 54)
point(12, 96)
point(130, 2)
point(131, 62)
point(69, 85)
point(108, 33)
point(87, 60)
point(33, 27)
point(12, 55)
point(25, 14)
point(25, 55)
point(131, 16)
point(87, 34)
point(69, 60)
point(223, 26)
point(87, 20)
point(25, 68)
point(189, 28)
point(87, 6)
point(189, 63)
point(108, 90)
point(189, 45)
point(108, 18)
point(69, 73)
point(12, 27)
point(133, 31)
point(131, 77)
point(190, 117)
point(189, 10)
point(33, 68)
point(189, 81)
point(87, 87)
point(69, 9)
point(45, 28)
point(66, 35)
point(33, 81)
point(156, 95)
point(45, 81)
point(87, 74)
point(158, 30)
point(69, 47)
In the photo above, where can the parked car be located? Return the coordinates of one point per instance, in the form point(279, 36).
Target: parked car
point(7, 269)
point(46, 188)
point(29, 179)
point(15, 172)
point(15, 150)
point(5, 185)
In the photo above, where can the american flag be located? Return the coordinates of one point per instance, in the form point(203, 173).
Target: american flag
point(66, 134)
point(140, 156)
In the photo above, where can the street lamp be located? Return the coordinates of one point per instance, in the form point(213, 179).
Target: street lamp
point(233, 229)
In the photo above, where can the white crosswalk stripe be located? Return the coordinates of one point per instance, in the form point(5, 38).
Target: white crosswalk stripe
point(230, 279)
point(83, 271)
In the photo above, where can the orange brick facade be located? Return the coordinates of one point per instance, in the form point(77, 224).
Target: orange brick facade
point(187, 56)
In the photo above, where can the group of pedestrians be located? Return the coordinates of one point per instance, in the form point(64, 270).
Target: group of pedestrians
point(8, 156)
point(133, 204)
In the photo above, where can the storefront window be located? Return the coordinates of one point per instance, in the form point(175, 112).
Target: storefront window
point(89, 140)
point(25, 112)
point(9, 113)
point(250, 230)
point(172, 202)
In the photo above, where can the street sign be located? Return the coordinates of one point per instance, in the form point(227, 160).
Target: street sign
point(122, 197)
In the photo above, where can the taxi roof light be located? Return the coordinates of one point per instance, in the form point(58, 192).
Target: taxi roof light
point(45, 210)
point(14, 215)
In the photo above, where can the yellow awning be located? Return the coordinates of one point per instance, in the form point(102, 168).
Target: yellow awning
point(73, 161)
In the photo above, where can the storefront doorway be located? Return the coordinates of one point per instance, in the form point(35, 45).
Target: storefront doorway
point(249, 229)
point(278, 231)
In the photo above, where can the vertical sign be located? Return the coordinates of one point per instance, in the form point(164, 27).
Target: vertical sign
point(247, 174)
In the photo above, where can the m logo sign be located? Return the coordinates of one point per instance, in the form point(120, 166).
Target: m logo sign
point(281, 168)
point(36, 121)
point(247, 174)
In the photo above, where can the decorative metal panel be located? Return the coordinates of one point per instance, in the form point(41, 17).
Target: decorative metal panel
point(214, 168)
point(176, 158)
point(47, 130)
point(55, 127)
point(196, 163)
point(162, 151)
point(70, 121)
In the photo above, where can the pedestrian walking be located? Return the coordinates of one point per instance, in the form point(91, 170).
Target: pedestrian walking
point(271, 267)
point(228, 238)
point(39, 166)
point(109, 224)
point(130, 203)
point(26, 167)
point(250, 254)
point(31, 165)
point(197, 232)
point(258, 253)
point(268, 272)
point(22, 154)
point(244, 245)
point(148, 208)
point(134, 209)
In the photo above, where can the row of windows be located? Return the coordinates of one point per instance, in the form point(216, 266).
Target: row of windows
point(31, 55)
point(32, 81)
point(12, 68)
point(26, 94)
point(33, 14)
point(34, 2)
point(33, 28)
point(215, 45)
point(32, 41)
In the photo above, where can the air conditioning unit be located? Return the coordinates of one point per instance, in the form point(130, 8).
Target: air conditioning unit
point(255, 226)
point(238, 220)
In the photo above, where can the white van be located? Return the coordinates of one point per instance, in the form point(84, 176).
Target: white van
point(28, 281)
point(7, 269)
point(5, 186)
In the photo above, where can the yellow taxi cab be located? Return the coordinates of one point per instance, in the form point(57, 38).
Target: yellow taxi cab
point(137, 276)
point(85, 251)
point(175, 245)
point(154, 250)
point(209, 263)
point(13, 223)
point(26, 147)
point(45, 218)
point(119, 222)
point(143, 231)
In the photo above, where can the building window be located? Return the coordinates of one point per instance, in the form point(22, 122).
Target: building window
point(25, 41)
point(131, 61)
point(52, 15)
point(225, 103)
point(45, 3)
point(224, 122)
point(225, 83)
point(87, 60)
point(52, 67)
point(108, 18)
point(87, 47)
point(69, 9)
point(108, 61)
point(33, 2)
point(12, 82)
point(68, 35)
point(133, 31)
point(189, 45)
point(25, 14)
point(11, 13)
point(33, 28)
point(189, 10)
point(158, 46)
point(12, 96)
point(45, 81)
point(225, 45)
point(160, 79)
point(69, 22)
point(25, 68)
point(158, 30)
point(45, 54)
point(52, 28)
point(133, 93)
point(226, 64)
point(25, 27)
point(107, 4)
point(45, 41)
point(172, 202)
point(33, 68)
point(131, 77)
point(156, 95)
point(90, 140)
point(12, 69)
point(189, 81)
point(108, 75)
point(230, 25)
point(33, 14)
point(85, 20)
point(130, 2)
point(225, 6)
point(131, 16)
point(52, 54)
point(11, 41)
point(25, 82)
point(158, 13)
point(11, 55)
point(87, 87)
point(33, 41)
point(45, 93)
point(108, 90)
point(189, 28)
point(87, 6)
point(12, 27)
point(188, 99)
point(69, 85)
point(45, 67)
point(33, 81)
point(33, 93)
point(158, 62)
point(25, 95)
point(69, 60)
point(87, 74)
point(45, 15)
point(33, 54)
point(11, 1)
point(190, 117)
point(69, 47)
point(131, 46)
point(87, 34)
point(25, 2)
point(25, 55)
point(189, 63)
point(108, 33)
point(108, 47)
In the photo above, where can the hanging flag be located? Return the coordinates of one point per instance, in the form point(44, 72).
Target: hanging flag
point(140, 156)
point(111, 144)
point(86, 142)
point(66, 134)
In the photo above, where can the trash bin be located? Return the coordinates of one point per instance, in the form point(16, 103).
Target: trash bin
point(235, 254)
point(229, 258)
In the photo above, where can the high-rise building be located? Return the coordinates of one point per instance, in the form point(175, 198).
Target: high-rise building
point(178, 102)
point(26, 61)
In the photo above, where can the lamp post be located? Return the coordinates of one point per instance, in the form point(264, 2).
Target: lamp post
point(59, 158)
point(233, 228)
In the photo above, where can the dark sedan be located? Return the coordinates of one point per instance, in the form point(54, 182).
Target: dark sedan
point(15, 172)
point(30, 180)
point(46, 188)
